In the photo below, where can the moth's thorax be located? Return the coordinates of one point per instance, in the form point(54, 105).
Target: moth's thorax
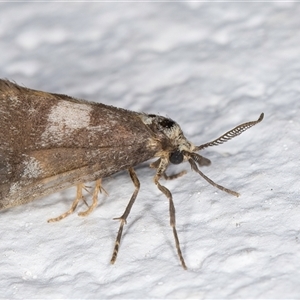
point(168, 130)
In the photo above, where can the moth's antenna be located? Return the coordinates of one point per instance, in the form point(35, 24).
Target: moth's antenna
point(231, 133)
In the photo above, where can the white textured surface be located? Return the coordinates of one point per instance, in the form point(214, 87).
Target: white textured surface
point(209, 66)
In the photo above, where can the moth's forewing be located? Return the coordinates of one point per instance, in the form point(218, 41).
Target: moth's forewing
point(50, 141)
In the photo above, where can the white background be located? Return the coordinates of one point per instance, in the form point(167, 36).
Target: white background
point(210, 67)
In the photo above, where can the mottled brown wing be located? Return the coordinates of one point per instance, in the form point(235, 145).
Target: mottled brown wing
point(50, 142)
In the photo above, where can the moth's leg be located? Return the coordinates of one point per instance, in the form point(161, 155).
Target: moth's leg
point(174, 176)
point(74, 205)
point(98, 189)
point(126, 213)
point(167, 193)
point(156, 164)
point(101, 190)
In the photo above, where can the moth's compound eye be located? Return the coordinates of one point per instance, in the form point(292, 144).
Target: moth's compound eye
point(176, 157)
point(167, 123)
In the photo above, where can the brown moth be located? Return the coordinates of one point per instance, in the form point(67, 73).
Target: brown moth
point(49, 142)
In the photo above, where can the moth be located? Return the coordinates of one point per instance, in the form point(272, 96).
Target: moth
point(49, 142)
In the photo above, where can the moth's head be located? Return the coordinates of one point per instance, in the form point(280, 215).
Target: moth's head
point(175, 147)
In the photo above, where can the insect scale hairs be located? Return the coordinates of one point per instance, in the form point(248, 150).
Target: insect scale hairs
point(49, 142)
